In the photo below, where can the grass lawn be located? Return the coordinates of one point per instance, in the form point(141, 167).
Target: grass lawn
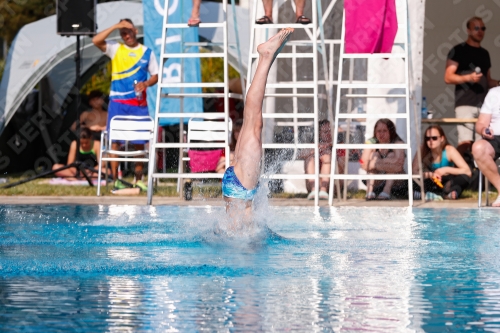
point(211, 189)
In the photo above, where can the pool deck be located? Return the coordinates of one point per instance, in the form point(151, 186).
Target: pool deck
point(172, 201)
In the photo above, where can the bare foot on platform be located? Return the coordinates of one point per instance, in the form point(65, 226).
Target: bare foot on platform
point(194, 22)
point(496, 203)
point(275, 44)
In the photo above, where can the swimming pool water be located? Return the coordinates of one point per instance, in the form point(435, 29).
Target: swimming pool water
point(155, 269)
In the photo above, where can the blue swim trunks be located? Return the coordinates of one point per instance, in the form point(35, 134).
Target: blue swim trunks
point(119, 109)
point(232, 188)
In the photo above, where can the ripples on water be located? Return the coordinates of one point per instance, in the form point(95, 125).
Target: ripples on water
point(130, 268)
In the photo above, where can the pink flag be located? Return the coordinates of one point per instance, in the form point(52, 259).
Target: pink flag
point(370, 26)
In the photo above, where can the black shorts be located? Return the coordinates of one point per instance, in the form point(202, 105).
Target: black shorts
point(495, 143)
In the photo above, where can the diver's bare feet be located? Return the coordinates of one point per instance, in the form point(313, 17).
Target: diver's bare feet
point(270, 48)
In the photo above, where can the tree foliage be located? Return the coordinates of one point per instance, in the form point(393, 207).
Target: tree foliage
point(14, 14)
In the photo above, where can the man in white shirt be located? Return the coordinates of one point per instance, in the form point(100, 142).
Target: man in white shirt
point(130, 64)
point(487, 150)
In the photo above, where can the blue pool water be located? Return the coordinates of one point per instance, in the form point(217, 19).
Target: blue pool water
point(155, 269)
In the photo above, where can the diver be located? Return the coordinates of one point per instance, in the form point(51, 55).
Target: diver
point(241, 179)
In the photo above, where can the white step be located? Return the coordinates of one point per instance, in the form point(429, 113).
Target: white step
point(201, 25)
point(289, 55)
point(372, 55)
point(290, 95)
point(191, 95)
point(201, 115)
point(288, 145)
point(360, 85)
point(191, 55)
point(372, 115)
point(189, 145)
point(290, 85)
point(288, 115)
point(283, 25)
point(374, 96)
point(372, 146)
point(192, 85)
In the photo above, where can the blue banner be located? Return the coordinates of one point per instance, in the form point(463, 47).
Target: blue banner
point(175, 70)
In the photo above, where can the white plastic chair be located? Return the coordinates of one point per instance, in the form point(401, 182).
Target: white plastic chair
point(206, 131)
point(125, 128)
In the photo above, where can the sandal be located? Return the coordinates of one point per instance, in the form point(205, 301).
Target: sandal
point(323, 195)
point(496, 203)
point(264, 20)
point(303, 20)
point(311, 195)
point(371, 196)
point(384, 196)
point(452, 195)
point(194, 22)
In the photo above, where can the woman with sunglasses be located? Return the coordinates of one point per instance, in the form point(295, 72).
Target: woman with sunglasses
point(446, 174)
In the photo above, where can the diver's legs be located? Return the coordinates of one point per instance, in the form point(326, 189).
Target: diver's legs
point(248, 152)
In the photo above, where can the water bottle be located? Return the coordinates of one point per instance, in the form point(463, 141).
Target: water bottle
point(424, 108)
point(138, 94)
point(360, 107)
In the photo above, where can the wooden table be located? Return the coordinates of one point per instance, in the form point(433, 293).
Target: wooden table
point(449, 120)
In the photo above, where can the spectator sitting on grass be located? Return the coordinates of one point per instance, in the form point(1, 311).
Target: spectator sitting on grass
point(96, 118)
point(446, 174)
point(88, 154)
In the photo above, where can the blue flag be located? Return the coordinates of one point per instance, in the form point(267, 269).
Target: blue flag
point(175, 70)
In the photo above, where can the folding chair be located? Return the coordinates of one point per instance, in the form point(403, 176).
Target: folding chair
point(205, 131)
point(125, 129)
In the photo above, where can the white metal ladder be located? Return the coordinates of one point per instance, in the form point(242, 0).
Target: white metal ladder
point(293, 85)
point(202, 115)
point(348, 116)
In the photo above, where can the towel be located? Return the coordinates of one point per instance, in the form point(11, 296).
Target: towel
point(204, 160)
point(370, 26)
point(81, 182)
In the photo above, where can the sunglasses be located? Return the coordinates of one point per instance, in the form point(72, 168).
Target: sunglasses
point(433, 138)
point(479, 28)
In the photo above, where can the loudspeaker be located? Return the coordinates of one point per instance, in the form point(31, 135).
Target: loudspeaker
point(76, 17)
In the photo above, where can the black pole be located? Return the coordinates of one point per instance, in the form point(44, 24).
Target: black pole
point(77, 91)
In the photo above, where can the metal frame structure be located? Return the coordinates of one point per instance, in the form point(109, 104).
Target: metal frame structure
point(202, 115)
point(404, 56)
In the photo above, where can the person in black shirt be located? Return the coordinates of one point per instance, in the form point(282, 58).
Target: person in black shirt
point(468, 68)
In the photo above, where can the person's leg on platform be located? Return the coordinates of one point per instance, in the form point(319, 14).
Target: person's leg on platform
point(118, 185)
point(484, 155)
point(325, 169)
point(194, 20)
point(268, 13)
point(138, 171)
point(386, 192)
point(299, 12)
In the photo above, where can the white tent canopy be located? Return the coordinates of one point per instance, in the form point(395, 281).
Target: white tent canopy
point(38, 52)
